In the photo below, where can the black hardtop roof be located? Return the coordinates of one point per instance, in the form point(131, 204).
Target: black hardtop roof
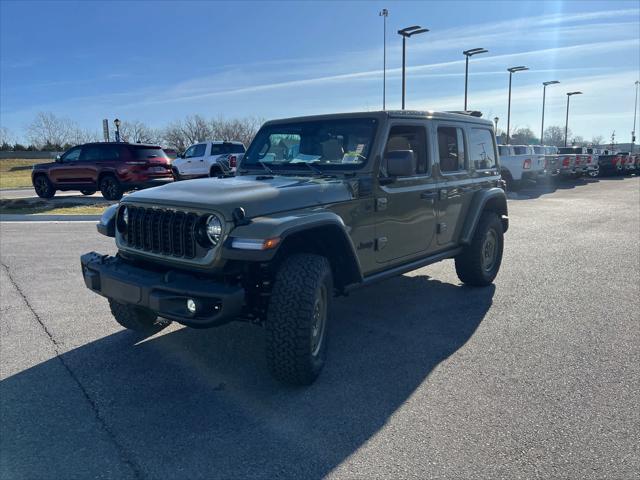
point(386, 114)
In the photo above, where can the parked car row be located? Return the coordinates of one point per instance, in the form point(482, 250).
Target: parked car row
point(117, 168)
point(520, 163)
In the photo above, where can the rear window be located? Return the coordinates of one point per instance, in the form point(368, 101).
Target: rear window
point(481, 151)
point(226, 148)
point(147, 152)
point(569, 151)
point(504, 151)
point(521, 150)
point(539, 150)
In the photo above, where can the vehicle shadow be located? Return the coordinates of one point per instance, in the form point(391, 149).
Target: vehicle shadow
point(201, 404)
point(535, 190)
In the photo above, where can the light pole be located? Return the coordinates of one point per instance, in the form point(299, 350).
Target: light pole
point(511, 71)
point(116, 122)
point(406, 33)
point(544, 94)
point(495, 121)
point(384, 13)
point(469, 53)
point(635, 113)
point(566, 122)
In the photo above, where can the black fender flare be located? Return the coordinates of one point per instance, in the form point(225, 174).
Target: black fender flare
point(323, 229)
point(493, 199)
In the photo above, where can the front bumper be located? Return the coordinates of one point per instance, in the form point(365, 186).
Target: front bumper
point(164, 292)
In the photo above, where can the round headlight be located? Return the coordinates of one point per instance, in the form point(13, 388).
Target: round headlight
point(122, 219)
point(214, 229)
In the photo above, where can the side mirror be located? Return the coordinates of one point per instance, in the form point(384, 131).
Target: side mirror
point(58, 159)
point(401, 163)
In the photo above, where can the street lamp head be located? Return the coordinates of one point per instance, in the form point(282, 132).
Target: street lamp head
point(474, 51)
point(116, 122)
point(413, 30)
point(574, 93)
point(384, 13)
point(521, 68)
point(552, 82)
point(495, 119)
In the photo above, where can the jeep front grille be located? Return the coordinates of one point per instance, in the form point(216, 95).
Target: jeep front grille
point(165, 232)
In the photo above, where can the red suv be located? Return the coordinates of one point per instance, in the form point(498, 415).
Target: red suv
point(112, 168)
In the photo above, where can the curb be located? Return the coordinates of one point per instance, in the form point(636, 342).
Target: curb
point(49, 218)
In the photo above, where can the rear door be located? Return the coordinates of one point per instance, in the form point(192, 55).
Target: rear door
point(405, 206)
point(455, 183)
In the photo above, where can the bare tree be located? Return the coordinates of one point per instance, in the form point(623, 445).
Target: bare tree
point(523, 136)
point(579, 141)
point(554, 135)
point(136, 131)
point(47, 129)
point(6, 138)
point(597, 140)
point(239, 129)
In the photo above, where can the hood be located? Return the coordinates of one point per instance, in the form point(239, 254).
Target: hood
point(258, 195)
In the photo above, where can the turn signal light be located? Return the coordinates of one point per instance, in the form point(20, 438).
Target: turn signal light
point(233, 161)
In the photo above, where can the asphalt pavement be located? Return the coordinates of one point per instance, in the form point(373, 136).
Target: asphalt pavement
point(537, 376)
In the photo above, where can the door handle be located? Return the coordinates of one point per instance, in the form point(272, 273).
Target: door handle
point(428, 195)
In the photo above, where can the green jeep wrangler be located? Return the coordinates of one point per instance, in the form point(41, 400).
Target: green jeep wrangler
point(320, 205)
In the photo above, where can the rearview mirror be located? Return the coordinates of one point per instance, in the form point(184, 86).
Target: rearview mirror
point(400, 163)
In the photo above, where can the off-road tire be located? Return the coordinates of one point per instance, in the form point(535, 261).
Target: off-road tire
point(470, 265)
point(297, 291)
point(87, 192)
point(111, 188)
point(43, 187)
point(137, 318)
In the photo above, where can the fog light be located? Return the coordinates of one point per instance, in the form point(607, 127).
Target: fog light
point(191, 306)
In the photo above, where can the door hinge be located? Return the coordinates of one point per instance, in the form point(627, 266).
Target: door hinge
point(381, 204)
point(442, 227)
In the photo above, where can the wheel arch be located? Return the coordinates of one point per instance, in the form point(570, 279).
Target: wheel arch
point(492, 200)
point(321, 233)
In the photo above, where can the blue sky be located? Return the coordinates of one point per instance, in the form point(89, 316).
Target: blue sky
point(159, 61)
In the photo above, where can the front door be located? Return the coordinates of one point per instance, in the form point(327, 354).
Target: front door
point(194, 160)
point(406, 206)
point(67, 169)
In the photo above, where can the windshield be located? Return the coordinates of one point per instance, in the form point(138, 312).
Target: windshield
point(325, 144)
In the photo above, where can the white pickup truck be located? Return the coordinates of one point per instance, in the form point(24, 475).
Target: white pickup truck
point(208, 159)
point(518, 163)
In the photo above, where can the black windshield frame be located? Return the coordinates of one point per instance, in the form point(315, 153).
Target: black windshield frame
point(252, 159)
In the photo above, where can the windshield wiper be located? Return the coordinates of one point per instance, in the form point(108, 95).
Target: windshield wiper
point(266, 168)
point(315, 170)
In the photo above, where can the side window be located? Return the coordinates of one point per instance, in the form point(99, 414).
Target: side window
point(195, 150)
point(92, 153)
point(481, 151)
point(217, 149)
point(110, 152)
point(451, 149)
point(189, 152)
point(199, 150)
point(72, 155)
point(410, 138)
